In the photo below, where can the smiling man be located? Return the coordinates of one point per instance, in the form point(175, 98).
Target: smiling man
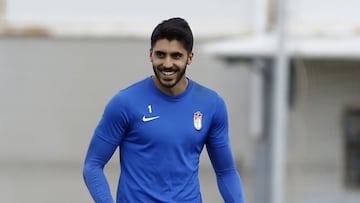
point(161, 125)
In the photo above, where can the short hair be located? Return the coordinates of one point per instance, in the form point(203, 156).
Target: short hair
point(173, 29)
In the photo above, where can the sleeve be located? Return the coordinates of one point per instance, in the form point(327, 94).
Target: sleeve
point(105, 140)
point(228, 179)
point(99, 153)
point(219, 150)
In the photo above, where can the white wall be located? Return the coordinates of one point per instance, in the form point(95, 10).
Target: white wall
point(316, 170)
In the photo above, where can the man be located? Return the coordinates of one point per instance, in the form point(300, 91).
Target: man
point(161, 125)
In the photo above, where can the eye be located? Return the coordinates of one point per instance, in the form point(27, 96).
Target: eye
point(160, 54)
point(176, 55)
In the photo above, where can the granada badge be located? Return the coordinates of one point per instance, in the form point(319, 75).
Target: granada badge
point(197, 120)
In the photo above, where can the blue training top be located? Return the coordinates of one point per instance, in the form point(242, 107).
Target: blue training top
point(160, 138)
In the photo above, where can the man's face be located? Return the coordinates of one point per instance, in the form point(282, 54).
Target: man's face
point(169, 60)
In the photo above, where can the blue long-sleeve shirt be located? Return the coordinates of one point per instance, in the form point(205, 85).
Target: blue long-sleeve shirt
point(160, 139)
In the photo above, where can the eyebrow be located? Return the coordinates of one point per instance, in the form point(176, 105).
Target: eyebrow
point(172, 53)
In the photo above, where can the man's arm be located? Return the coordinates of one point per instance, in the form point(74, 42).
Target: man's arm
point(228, 178)
point(219, 150)
point(99, 153)
point(107, 137)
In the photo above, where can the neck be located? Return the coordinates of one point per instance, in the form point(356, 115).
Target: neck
point(179, 88)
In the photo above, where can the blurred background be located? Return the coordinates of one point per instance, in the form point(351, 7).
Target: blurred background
point(289, 72)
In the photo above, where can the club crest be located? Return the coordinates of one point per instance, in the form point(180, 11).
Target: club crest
point(197, 120)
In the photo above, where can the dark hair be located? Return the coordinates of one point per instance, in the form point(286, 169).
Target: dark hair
point(173, 29)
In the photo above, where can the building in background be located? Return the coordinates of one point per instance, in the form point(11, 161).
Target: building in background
point(60, 62)
point(319, 161)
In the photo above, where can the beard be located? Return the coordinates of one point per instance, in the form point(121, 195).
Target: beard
point(178, 71)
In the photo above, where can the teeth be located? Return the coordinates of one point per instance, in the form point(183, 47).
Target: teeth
point(168, 73)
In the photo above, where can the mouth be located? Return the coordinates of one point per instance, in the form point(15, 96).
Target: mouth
point(168, 73)
point(168, 77)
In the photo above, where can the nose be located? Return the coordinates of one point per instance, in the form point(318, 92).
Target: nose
point(168, 62)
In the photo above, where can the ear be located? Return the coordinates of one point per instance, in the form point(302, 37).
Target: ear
point(150, 54)
point(190, 58)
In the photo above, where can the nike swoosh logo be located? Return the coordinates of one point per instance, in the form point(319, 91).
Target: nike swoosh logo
point(146, 119)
